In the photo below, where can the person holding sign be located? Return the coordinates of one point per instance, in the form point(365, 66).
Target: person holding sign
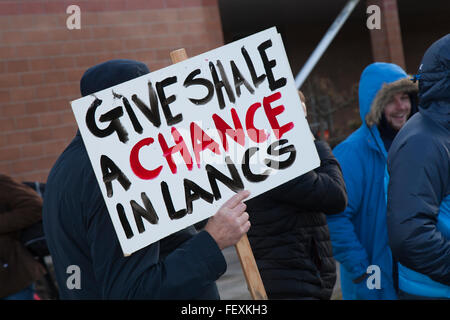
point(89, 262)
point(289, 234)
point(359, 234)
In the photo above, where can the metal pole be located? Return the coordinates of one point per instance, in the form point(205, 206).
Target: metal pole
point(323, 44)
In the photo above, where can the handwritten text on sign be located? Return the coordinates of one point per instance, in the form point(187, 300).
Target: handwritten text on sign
point(168, 148)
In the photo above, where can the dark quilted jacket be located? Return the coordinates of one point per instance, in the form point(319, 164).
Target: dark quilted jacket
point(289, 234)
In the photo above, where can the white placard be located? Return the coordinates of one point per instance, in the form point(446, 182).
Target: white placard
point(156, 142)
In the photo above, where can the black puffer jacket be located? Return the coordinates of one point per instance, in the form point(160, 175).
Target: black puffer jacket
point(289, 234)
point(418, 209)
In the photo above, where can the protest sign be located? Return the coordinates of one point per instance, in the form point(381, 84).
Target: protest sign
point(243, 248)
point(169, 147)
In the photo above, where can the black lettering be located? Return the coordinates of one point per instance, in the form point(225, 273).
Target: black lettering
point(239, 80)
point(169, 204)
point(248, 174)
point(192, 192)
point(151, 113)
point(117, 95)
point(220, 84)
point(271, 150)
point(234, 183)
point(269, 65)
point(113, 116)
point(190, 81)
point(256, 79)
point(124, 221)
point(148, 213)
point(112, 172)
point(136, 125)
point(166, 101)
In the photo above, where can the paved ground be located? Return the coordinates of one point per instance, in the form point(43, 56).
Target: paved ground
point(232, 285)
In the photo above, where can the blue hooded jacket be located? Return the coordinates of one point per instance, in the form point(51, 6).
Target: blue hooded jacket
point(418, 214)
point(80, 233)
point(359, 234)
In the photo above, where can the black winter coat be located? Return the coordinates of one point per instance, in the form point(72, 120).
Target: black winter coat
point(289, 234)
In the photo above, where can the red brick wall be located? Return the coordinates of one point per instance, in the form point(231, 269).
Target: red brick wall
point(386, 42)
point(41, 63)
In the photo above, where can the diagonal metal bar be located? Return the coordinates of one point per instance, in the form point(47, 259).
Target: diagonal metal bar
point(324, 43)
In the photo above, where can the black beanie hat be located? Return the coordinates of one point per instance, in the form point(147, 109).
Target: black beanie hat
point(110, 73)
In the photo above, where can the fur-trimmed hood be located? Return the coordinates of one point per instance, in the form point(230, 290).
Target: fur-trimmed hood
point(379, 82)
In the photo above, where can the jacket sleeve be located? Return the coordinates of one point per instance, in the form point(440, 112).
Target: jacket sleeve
point(321, 189)
point(183, 274)
point(23, 206)
point(419, 177)
point(347, 248)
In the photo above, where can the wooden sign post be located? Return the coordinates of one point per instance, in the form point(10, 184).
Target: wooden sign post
point(250, 269)
point(243, 249)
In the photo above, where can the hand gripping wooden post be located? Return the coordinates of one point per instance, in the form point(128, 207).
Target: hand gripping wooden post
point(243, 249)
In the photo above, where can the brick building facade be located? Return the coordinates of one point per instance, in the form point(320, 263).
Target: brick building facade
point(386, 42)
point(42, 61)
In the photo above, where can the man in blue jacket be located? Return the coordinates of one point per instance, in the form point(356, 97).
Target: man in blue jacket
point(418, 213)
point(81, 236)
point(359, 235)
